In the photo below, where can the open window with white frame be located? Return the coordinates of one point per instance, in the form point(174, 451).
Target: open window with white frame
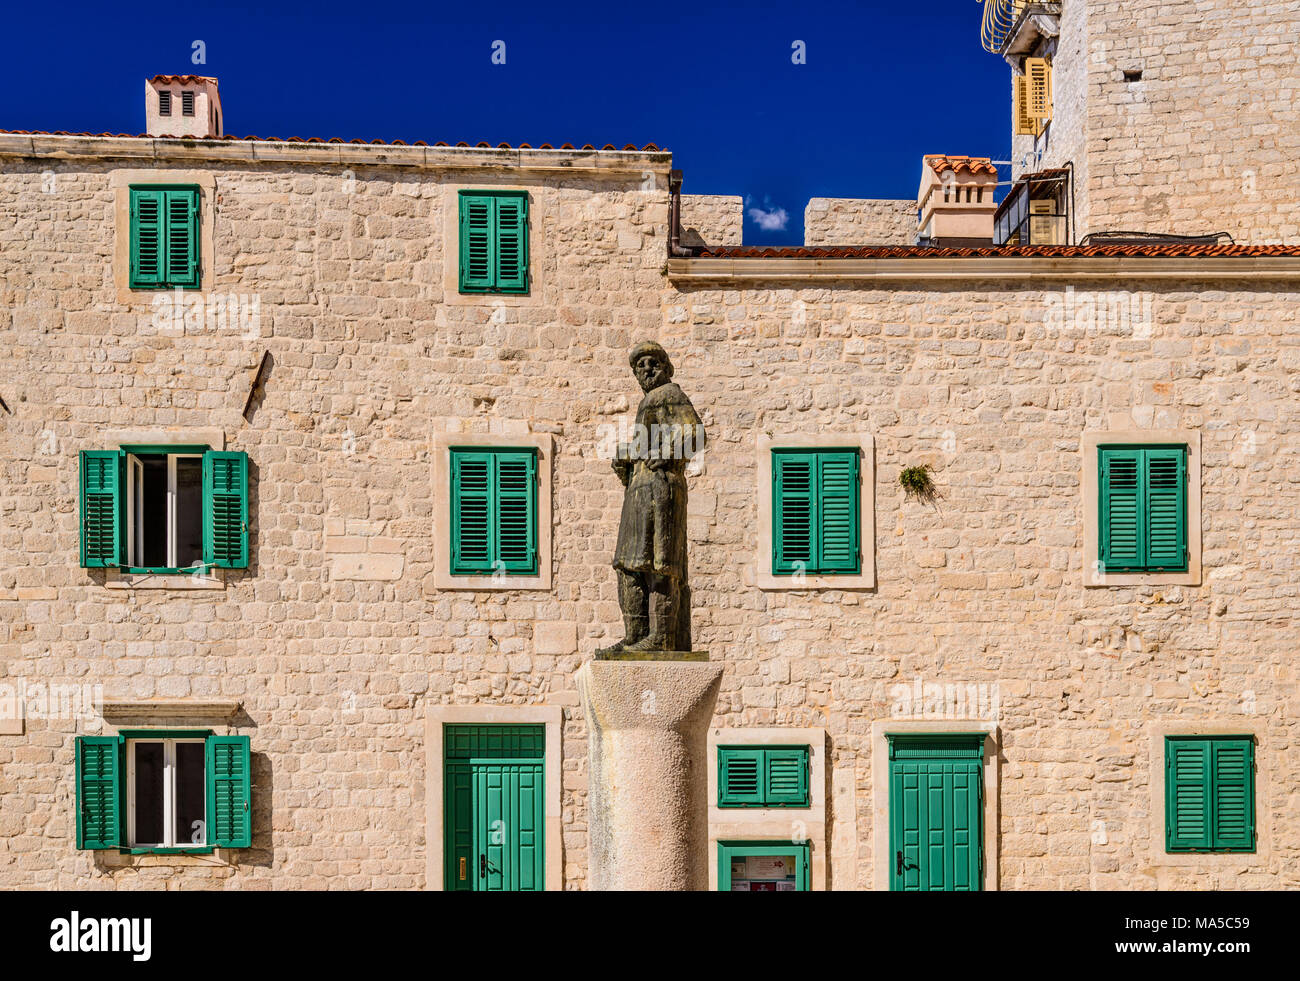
point(166, 793)
point(163, 790)
point(164, 509)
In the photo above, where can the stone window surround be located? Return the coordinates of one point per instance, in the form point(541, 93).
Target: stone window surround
point(541, 257)
point(779, 824)
point(866, 444)
point(214, 438)
point(880, 731)
point(1242, 861)
point(551, 717)
point(1091, 507)
point(121, 181)
point(168, 714)
point(544, 443)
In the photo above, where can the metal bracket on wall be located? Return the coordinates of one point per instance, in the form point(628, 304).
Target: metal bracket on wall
point(258, 380)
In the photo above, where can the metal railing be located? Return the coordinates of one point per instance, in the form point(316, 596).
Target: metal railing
point(999, 17)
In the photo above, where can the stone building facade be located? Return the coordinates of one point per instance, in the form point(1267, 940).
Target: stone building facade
point(1176, 116)
point(338, 349)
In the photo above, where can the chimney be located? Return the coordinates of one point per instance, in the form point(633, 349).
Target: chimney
point(182, 105)
point(955, 201)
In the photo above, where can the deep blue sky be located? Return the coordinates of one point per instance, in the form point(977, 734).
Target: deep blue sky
point(712, 81)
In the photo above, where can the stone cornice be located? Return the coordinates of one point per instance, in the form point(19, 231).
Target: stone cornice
point(342, 155)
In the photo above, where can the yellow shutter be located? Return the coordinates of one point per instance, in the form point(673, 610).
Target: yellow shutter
point(1038, 75)
point(1025, 125)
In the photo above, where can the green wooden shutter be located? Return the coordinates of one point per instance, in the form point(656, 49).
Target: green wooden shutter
point(837, 506)
point(182, 241)
point(230, 792)
point(102, 508)
point(147, 249)
point(1233, 798)
point(471, 512)
point(1122, 532)
point(1164, 472)
point(99, 791)
point(786, 783)
point(740, 776)
point(225, 509)
point(516, 511)
point(494, 512)
point(477, 243)
point(794, 515)
point(512, 243)
point(1187, 794)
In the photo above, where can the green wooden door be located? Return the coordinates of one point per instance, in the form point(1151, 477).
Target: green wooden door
point(936, 813)
point(494, 823)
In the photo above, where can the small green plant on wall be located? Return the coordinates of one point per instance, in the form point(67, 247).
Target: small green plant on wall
point(917, 482)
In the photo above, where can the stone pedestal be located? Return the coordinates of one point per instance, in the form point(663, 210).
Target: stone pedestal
point(647, 811)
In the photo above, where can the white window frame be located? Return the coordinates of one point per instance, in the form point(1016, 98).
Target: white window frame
point(135, 510)
point(169, 793)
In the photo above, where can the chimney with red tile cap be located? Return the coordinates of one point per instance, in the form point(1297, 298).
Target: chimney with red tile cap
point(183, 106)
point(956, 200)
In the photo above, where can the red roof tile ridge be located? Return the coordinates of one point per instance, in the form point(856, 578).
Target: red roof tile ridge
point(1135, 250)
point(940, 162)
point(183, 79)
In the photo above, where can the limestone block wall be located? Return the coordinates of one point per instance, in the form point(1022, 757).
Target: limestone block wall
point(859, 221)
point(985, 588)
point(332, 661)
point(335, 663)
point(712, 219)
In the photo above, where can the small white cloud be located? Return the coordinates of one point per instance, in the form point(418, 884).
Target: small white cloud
point(770, 219)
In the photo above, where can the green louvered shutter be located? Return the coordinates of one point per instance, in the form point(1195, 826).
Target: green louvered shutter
point(786, 783)
point(230, 792)
point(102, 493)
point(1122, 532)
point(471, 512)
point(99, 791)
point(512, 243)
point(740, 776)
point(794, 515)
point(182, 252)
point(147, 249)
point(225, 509)
point(477, 243)
point(1165, 483)
point(837, 505)
point(1232, 768)
point(1187, 794)
point(516, 511)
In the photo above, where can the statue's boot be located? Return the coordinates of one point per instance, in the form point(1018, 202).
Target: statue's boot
point(663, 625)
point(635, 628)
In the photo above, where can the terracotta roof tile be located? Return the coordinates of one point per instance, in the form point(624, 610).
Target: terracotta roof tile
point(1146, 250)
point(630, 147)
point(182, 79)
point(941, 162)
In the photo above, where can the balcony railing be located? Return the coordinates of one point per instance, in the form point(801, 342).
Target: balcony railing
point(999, 17)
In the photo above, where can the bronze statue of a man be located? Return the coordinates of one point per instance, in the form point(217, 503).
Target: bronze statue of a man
point(650, 558)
